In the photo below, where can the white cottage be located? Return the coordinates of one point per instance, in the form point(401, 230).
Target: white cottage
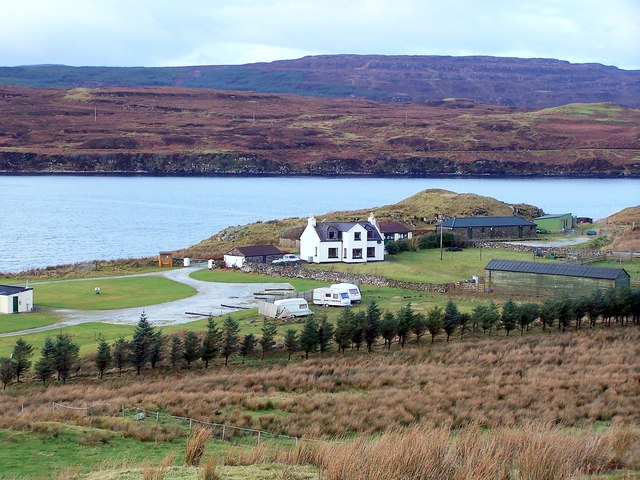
point(349, 242)
point(15, 299)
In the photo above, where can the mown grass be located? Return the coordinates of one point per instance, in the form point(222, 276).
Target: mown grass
point(23, 321)
point(237, 276)
point(114, 293)
point(425, 266)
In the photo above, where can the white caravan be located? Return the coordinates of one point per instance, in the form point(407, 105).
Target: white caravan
point(330, 296)
point(296, 307)
point(354, 291)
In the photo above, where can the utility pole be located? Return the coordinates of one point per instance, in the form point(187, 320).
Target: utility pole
point(440, 240)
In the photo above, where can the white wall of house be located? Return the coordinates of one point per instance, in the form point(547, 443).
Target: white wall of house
point(25, 302)
point(233, 261)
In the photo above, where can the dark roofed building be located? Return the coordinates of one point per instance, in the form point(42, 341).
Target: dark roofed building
point(15, 299)
point(394, 231)
point(238, 256)
point(490, 228)
point(546, 279)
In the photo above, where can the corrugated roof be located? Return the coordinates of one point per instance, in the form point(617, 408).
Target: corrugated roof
point(12, 289)
point(467, 222)
point(547, 268)
point(392, 227)
point(258, 250)
point(552, 215)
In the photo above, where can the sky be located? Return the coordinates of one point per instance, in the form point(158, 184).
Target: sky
point(223, 32)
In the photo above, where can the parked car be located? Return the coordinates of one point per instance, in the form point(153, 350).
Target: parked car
point(288, 258)
point(591, 232)
point(454, 249)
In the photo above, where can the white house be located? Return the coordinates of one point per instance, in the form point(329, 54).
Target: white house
point(349, 242)
point(15, 299)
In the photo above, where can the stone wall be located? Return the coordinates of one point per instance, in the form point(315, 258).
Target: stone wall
point(298, 271)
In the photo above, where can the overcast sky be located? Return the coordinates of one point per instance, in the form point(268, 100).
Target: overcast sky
point(213, 32)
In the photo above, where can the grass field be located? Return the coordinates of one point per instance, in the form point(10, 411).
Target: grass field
point(425, 266)
point(236, 276)
point(115, 293)
point(12, 323)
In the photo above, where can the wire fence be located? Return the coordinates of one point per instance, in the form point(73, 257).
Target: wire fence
point(187, 424)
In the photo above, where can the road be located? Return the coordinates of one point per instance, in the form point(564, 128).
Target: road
point(211, 298)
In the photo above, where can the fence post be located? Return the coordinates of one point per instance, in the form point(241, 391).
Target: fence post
point(223, 430)
point(259, 432)
point(190, 424)
point(123, 414)
point(157, 417)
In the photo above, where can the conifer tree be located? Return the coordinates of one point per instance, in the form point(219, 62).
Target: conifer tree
point(66, 355)
point(192, 348)
point(464, 320)
point(141, 343)
point(21, 358)
point(7, 372)
point(510, 316)
point(372, 327)
point(344, 329)
point(248, 345)
point(45, 366)
point(103, 356)
point(176, 354)
point(435, 321)
point(269, 331)
point(211, 342)
point(291, 342)
point(404, 323)
point(419, 325)
point(309, 336)
point(156, 354)
point(451, 318)
point(388, 328)
point(325, 333)
point(230, 331)
point(120, 354)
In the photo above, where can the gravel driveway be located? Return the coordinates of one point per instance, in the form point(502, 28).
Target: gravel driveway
point(211, 298)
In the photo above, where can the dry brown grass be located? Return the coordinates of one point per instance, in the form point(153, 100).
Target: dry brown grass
point(210, 470)
point(159, 472)
point(195, 446)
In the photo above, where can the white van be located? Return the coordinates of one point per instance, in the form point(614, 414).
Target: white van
point(337, 297)
point(354, 291)
point(297, 307)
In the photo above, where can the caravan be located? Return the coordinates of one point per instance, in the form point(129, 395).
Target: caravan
point(295, 307)
point(337, 297)
point(354, 291)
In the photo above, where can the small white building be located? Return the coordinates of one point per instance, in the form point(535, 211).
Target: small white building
point(15, 299)
point(349, 242)
point(238, 256)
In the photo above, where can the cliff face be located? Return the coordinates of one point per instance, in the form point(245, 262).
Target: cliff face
point(533, 83)
point(169, 131)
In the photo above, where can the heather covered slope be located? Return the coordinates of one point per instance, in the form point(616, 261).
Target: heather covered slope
point(534, 82)
point(177, 131)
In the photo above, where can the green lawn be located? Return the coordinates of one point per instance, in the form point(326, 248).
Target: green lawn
point(22, 321)
point(425, 266)
point(236, 276)
point(115, 293)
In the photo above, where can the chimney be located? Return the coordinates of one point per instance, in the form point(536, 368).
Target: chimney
point(372, 220)
point(311, 221)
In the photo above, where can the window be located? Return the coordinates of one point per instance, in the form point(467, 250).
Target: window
point(331, 234)
point(371, 252)
point(356, 235)
point(357, 253)
point(333, 253)
point(369, 235)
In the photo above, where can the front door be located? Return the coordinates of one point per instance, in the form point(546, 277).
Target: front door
point(15, 304)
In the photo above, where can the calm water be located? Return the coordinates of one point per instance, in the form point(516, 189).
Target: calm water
point(52, 220)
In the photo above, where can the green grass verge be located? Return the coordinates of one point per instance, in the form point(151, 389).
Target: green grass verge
point(115, 293)
point(236, 276)
point(425, 266)
point(22, 321)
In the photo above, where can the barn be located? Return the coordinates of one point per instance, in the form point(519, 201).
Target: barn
point(544, 279)
point(559, 222)
point(490, 228)
point(251, 254)
point(15, 299)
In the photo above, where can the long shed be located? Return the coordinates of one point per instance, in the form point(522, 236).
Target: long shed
point(544, 279)
point(555, 222)
point(490, 228)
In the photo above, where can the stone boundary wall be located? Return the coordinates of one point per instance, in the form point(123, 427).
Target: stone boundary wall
point(576, 256)
point(297, 271)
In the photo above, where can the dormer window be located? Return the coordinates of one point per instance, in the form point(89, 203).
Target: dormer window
point(356, 235)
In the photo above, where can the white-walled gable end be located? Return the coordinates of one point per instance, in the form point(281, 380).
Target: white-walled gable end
point(349, 242)
point(15, 299)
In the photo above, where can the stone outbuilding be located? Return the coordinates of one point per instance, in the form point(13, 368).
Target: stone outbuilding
point(238, 256)
point(490, 228)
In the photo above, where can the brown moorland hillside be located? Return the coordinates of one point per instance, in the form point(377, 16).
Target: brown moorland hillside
point(173, 131)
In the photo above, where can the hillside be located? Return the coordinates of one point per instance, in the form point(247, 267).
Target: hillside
point(534, 82)
point(175, 131)
point(418, 211)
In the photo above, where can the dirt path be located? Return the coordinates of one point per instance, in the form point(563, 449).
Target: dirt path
point(211, 298)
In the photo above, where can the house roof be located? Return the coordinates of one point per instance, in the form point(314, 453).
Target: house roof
point(392, 227)
point(466, 222)
point(257, 250)
point(546, 268)
point(324, 228)
point(12, 289)
point(293, 233)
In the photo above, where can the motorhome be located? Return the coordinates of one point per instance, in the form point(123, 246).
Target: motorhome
point(295, 307)
point(354, 291)
point(331, 296)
